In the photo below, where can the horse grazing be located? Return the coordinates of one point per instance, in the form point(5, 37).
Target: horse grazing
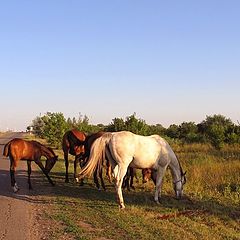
point(125, 149)
point(147, 174)
point(18, 149)
point(73, 143)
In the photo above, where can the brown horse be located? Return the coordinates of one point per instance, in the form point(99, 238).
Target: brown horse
point(18, 149)
point(73, 143)
point(147, 174)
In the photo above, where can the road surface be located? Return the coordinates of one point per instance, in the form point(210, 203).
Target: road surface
point(17, 211)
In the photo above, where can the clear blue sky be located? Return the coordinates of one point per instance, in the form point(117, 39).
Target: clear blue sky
point(168, 61)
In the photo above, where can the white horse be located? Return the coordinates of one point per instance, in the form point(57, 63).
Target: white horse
point(125, 149)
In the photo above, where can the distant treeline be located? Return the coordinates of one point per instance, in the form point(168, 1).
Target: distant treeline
point(216, 129)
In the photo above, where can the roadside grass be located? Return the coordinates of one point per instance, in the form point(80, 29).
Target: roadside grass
point(209, 210)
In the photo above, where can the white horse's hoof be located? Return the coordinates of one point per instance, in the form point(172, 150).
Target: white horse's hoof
point(15, 188)
point(77, 180)
point(122, 207)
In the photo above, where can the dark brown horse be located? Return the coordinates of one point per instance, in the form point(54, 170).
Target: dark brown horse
point(73, 143)
point(98, 172)
point(18, 149)
point(128, 179)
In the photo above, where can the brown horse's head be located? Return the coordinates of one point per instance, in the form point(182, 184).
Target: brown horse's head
point(146, 174)
point(51, 160)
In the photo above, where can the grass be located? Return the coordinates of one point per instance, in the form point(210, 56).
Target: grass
point(209, 210)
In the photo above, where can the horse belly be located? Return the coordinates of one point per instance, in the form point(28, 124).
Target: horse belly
point(144, 161)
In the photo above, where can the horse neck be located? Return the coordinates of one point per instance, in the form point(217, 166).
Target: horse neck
point(46, 152)
point(175, 167)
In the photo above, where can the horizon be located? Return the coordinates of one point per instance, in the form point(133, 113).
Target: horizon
point(168, 62)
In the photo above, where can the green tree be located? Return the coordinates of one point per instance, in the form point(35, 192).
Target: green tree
point(55, 126)
point(38, 126)
point(137, 126)
point(216, 128)
point(189, 132)
point(156, 129)
point(116, 125)
point(173, 131)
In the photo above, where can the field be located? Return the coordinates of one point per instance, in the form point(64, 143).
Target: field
point(209, 210)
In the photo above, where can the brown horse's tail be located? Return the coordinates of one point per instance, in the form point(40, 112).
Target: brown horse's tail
point(6, 149)
point(97, 155)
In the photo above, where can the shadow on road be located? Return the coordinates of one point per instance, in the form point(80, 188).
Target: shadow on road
point(71, 191)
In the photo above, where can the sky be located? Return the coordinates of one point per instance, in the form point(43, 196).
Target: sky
point(167, 61)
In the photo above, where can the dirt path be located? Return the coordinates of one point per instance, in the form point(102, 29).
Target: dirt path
point(17, 211)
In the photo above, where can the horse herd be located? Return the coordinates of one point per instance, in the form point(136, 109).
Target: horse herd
point(120, 153)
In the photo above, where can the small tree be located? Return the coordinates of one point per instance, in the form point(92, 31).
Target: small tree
point(135, 125)
point(216, 128)
point(54, 128)
point(38, 126)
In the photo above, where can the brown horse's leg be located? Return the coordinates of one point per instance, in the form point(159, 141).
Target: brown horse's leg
point(76, 162)
point(126, 180)
point(109, 172)
point(96, 179)
point(81, 164)
point(101, 178)
point(66, 165)
point(12, 174)
point(39, 163)
point(29, 173)
point(132, 174)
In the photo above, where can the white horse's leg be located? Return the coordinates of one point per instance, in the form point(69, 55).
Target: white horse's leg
point(160, 173)
point(119, 179)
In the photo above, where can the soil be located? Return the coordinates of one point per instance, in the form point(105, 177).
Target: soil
point(21, 212)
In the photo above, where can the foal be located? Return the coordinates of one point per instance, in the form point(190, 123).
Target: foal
point(18, 149)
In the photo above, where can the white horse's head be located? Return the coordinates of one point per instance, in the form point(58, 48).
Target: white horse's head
point(178, 186)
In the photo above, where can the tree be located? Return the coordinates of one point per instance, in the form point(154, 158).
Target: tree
point(189, 132)
point(173, 131)
point(117, 124)
point(215, 128)
point(55, 126)
point(156, 129)
point(137, 126)
point(38, 126)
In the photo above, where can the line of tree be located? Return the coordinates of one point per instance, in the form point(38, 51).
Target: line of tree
point(216, 129)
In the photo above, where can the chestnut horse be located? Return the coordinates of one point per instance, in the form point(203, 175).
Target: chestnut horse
point(73, 143)
point(147, 174)
point(18, 149)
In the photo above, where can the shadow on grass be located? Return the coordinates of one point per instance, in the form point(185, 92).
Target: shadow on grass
point(72, 192)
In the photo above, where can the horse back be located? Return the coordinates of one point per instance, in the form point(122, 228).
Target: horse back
point(21, 149)
point(81, 136)
point(139, 151)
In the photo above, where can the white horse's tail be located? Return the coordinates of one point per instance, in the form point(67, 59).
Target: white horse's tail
point(97, 155)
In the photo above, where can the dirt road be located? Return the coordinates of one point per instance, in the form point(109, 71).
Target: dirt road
point(17, 211)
